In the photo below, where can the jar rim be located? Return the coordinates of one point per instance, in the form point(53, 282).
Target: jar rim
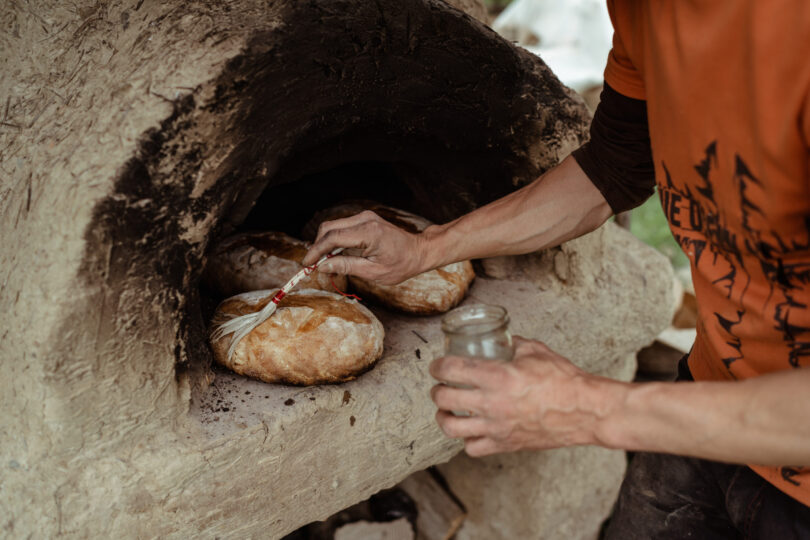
point(474, 319)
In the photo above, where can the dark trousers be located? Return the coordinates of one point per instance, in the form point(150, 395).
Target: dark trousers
point(674, 497)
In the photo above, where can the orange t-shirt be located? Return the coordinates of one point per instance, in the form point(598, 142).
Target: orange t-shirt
point(727, 86)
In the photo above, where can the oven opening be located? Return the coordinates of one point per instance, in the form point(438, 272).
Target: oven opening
point(288, 207)
point(224, 401)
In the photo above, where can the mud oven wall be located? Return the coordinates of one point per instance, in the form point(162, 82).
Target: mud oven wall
point(137, 133)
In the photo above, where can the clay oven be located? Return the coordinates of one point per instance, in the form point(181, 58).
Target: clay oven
point(138, 133)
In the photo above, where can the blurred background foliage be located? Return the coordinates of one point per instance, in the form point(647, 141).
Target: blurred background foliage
point(650, 225)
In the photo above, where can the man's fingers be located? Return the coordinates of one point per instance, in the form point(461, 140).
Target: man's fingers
point(448, 398)
point(352, 237)
point(346, 265)
point(519, 340)
point(460, 427)
point(344, 223)
point(467, 371)
point(321, 248)
point(528, 346)
point(481, 446)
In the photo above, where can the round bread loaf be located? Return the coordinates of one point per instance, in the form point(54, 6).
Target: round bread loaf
point(429, 293)
point(314, 337)
point(261, 260)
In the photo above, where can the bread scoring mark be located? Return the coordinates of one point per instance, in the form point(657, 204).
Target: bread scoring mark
point(323, 308)
point(456, 278)
point(237, 306)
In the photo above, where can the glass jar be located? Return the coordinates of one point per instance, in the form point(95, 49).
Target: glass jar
point(478, 331)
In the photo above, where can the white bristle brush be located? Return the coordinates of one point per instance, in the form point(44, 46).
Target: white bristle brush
point(242, 325)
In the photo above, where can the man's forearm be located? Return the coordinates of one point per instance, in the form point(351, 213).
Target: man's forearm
point(560, 205)
point(759, 421)
point(612, 172)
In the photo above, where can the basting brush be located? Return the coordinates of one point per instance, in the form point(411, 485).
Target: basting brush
point(242, 325)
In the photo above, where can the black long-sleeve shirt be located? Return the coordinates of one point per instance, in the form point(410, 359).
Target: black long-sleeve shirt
point(618, 157)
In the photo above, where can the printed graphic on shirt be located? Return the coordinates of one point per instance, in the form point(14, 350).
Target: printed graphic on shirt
point(727, 252)
point(736, 254)
point(788, 474)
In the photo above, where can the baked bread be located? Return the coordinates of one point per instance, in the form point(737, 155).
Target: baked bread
point(314, 337)
point(429, 293)
point(261, 260)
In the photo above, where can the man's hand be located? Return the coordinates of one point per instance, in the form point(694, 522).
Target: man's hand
point(539, 400)
point(382, 252)
point(558, 206)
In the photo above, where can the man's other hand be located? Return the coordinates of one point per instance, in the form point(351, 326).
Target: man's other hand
point(539, 400)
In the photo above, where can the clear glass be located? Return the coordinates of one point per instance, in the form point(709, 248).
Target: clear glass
point(478, 331)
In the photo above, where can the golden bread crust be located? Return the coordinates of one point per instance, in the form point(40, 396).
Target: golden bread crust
point(314, 337)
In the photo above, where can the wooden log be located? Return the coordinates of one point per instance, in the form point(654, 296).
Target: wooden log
point(399, 529)
point(439, 514)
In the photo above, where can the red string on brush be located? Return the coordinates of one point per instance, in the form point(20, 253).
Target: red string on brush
point(347, 295)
